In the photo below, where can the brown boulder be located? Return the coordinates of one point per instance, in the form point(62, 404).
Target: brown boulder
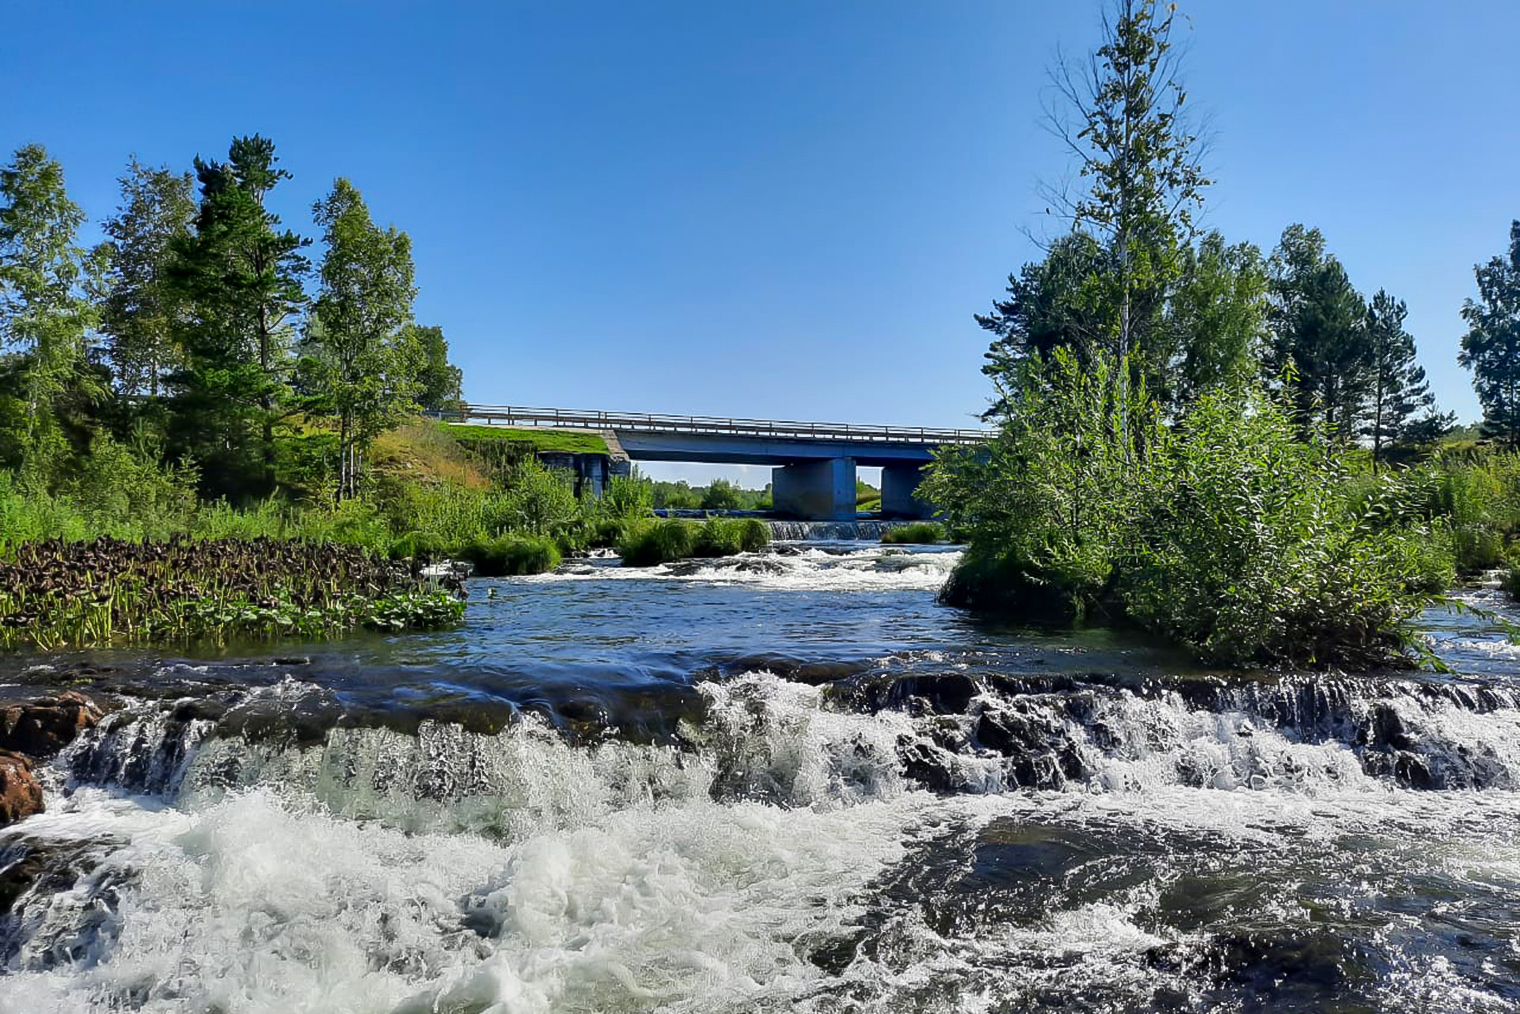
point(20, 795)
point(43, 727)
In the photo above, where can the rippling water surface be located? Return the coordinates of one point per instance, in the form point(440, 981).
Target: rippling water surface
point(785, 781)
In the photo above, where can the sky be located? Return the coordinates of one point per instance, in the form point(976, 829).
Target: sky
point(782, 209)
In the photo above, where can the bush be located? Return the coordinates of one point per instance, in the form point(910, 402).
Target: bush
point(1226, 532)
point(919, 533)
point(512, 555)
point(657, 542)
point(421, 546)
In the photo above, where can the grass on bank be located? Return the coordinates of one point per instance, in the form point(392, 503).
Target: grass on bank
point(542, 440)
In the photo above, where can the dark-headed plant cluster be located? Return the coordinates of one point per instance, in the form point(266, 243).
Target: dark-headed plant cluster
point(181, 591)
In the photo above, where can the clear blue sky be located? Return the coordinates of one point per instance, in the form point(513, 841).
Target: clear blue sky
point(776, 209)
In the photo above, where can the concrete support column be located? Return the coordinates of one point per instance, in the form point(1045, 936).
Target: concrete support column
point(899, 492)
point(815, 490)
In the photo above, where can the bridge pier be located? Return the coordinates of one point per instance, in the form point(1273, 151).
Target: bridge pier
point(822, 490)
point(899, 492)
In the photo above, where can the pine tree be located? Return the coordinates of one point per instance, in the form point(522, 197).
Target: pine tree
point(238, 277)
point(1318, 327)
point(137, 315)
point(1491, 347)
point(1398, 387)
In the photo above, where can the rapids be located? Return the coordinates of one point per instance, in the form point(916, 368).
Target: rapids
point(782, 781)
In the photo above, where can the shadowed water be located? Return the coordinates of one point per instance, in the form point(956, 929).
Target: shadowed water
point(784, 781)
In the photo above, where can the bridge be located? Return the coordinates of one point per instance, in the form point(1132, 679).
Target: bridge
point(813, 463)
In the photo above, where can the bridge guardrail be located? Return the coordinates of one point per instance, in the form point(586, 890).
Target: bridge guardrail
point(512, 415)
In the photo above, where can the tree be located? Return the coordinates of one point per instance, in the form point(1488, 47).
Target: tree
point(238, 277)
point(137, 315)
point(1143, 166)
point(720, 495)
point(1319, 338)
point(45, 313)
point(358, 363)
point(1399, 388)
point(1051, 304)
point(1218, 317)
point(439, 383)
point(1491, 347)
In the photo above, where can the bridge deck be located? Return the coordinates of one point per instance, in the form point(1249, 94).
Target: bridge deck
point(512, 415)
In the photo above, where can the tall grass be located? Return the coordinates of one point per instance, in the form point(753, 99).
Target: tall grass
point(656, 542)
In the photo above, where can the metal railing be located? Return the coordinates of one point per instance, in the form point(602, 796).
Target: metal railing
point(514, 415)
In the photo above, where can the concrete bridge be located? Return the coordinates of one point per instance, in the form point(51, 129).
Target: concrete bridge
point(813, 464)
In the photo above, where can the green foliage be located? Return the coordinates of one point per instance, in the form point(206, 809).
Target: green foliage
point(1491, 347)
point(655, 542)
point(625, 498)
point(109, 592)
point(721, 495)
point(925, 533)
point(1247, 549)
point(1226, 533)
point(541, 440)
point(237, 281)
point(138, 312)
point(45, 313)
point(1318, 341)
point(512, 555)
point(439, 382)
point(357, 363)
point(538, 501)
point(1398, 388)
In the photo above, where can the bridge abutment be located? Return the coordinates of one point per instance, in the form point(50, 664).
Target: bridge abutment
point(822, 490)
point(899, 492)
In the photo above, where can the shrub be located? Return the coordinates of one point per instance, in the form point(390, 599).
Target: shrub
point(512, 555)
point(657, 542)
point(420, 546)
point(919, 533)
point(1226, 532)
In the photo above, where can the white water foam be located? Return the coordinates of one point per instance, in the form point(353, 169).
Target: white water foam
point(878, 568)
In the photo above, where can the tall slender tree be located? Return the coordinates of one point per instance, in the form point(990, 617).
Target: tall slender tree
point(1491, 347)
point(137, 315)
point(1318, 328)
point(359, 365)
point(46, 315)
point(1398, 388)
point(238, 277)
point(1142, 164)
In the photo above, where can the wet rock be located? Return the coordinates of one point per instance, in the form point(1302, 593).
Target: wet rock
point(948, 694)
point(20, 794)
point(43, 727)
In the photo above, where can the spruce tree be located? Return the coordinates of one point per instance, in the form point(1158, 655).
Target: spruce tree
point(238, 278)
point(1491, 347)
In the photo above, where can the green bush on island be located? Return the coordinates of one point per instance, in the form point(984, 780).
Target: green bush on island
point(1227, 532)
point(511, 555)
point(655, 542)
point(923, 533)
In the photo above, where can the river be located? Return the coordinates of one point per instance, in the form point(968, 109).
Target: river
point(787, 781)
